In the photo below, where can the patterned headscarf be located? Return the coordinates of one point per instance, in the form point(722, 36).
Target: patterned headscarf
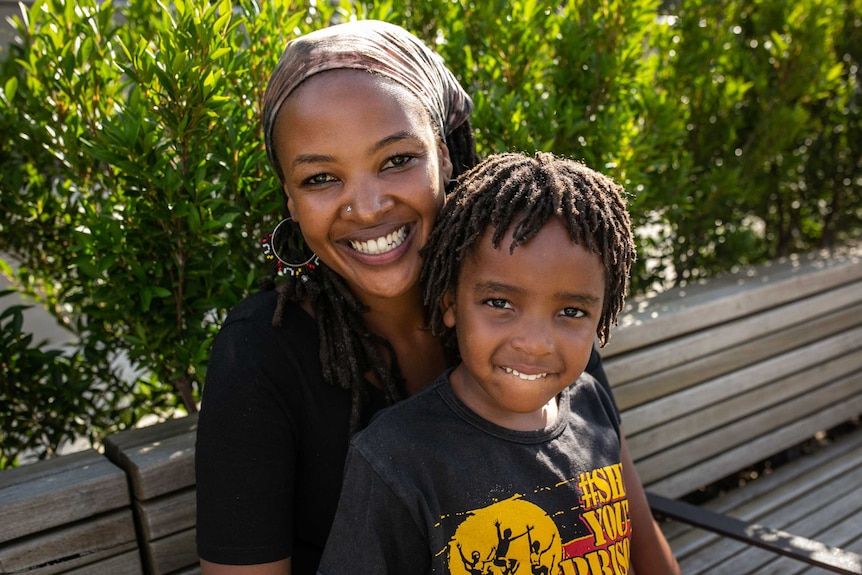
point(375, 46)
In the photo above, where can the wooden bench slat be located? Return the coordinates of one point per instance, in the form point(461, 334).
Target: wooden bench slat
point(160, 467)
point(844, 533)
point(153, 434)
point(680, 377)
point(46, 468)
point(738, 458)
point(837, 355)
point(804, 517)
point(54, 495)
point(128, 563)
point(745, 393)
point(771, 540)
point(167, 514)
point(71, 546)
point(732, 296)
point(737, 435)
point(655, 359)
point(174, 552)
point(769, 492)
point(742, 400)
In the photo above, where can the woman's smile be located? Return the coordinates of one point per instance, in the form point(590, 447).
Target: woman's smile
point(382, 244)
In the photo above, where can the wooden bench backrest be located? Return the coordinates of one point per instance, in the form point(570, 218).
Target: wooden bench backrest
point(709, 378)
point(160, 463)
point(718, 376)
point(67, 513)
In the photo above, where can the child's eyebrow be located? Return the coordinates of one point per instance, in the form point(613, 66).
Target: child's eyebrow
point(582, 298)
point(493, 287)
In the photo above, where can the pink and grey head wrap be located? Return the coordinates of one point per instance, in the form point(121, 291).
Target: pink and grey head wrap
point(378, 47)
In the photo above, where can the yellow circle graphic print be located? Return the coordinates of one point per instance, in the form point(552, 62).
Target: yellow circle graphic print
point(507, 538)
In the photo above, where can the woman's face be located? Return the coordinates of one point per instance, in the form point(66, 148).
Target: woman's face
point(364, 175)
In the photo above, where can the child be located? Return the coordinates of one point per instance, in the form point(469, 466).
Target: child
point(510, 462)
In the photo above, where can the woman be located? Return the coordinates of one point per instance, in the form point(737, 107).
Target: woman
point(365, 127)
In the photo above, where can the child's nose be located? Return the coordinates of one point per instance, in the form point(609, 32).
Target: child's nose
point(533, 337)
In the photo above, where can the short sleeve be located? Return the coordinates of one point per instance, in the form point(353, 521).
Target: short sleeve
point(244, 453)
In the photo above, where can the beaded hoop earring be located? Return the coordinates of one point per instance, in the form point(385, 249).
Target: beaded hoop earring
point(283, 245)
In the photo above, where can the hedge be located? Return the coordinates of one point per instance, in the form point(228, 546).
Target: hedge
point(135, 187)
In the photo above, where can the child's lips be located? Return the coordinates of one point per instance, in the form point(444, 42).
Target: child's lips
point(526, 375)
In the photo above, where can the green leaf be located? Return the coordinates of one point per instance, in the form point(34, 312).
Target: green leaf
point(10, 89)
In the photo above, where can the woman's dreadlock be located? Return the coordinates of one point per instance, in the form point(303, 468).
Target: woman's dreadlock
point(521, 193)
point(348, 349)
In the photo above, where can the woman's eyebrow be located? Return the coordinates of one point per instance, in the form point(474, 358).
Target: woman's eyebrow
point(324, 158)
point(395, 138)
point(311, 159)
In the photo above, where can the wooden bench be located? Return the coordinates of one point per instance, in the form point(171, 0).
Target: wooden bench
point(159, 461)
point(67, 515)
point(710, 379)
point(715, 377)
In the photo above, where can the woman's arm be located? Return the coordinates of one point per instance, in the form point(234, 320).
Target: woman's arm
point(650, 553)
point(277, 568)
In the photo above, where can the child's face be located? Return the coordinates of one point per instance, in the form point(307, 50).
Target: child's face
point(526, 322)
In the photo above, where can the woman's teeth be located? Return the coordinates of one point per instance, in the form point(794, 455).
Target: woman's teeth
point(381, 245)
point(524, 376)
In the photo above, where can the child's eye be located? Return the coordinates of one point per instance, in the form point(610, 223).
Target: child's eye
point(498, 303)
point(572, 312)
point(398, 161)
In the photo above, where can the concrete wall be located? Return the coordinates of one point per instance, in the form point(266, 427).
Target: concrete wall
point(8, 8)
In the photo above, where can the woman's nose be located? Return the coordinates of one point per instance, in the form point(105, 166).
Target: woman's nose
point(366, 199)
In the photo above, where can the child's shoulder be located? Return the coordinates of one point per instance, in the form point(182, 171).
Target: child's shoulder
point(587, 393)
point(410, 418)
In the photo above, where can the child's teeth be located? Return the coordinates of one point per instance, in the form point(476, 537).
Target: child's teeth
point(526, 377)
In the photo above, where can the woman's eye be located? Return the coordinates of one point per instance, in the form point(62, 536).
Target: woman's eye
point(398, 161)
point(498, 303)
point(572, 312)
point(317, 180)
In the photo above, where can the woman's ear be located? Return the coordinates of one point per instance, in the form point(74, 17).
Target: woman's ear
point(290, 209)
point(447, 304)
point(446, 167)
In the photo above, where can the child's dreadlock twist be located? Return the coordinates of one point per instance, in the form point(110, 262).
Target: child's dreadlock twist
point(518, 192)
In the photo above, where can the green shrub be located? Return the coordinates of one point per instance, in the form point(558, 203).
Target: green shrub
point(135, 185)
point(766, 110)
point(49, 396)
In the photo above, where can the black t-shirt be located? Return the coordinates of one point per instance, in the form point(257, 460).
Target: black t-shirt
point(272, 440)
point(432, 487)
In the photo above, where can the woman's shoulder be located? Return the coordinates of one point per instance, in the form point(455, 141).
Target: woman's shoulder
point(258, 309)
point(248, 336)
